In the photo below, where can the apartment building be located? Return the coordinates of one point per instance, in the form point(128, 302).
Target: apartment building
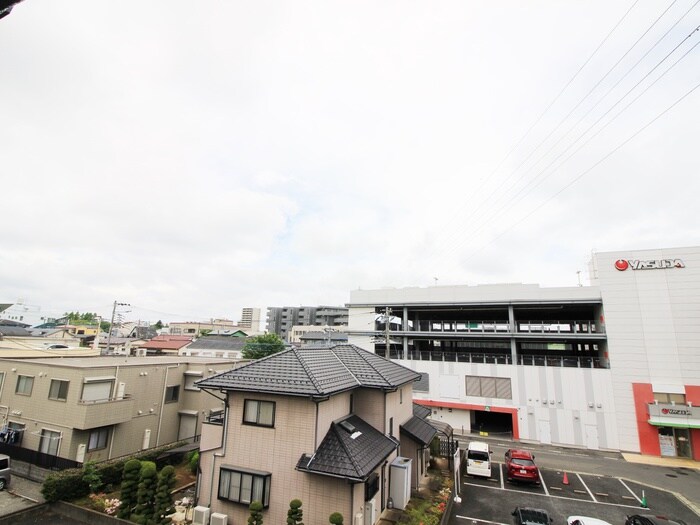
point(97, 408)
point(321, 425)
point(613, 365)
point(250, 319)
point(281, 320)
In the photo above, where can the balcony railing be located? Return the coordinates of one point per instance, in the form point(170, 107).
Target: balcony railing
point(497, 358)
point(501, 327)
point(103, 412)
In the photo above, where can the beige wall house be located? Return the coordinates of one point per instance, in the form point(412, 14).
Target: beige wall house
point(97, 408)
point(323, 425)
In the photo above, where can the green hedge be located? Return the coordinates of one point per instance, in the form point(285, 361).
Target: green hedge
point(68, 485)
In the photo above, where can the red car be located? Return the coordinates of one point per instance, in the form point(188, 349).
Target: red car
point(520, 465)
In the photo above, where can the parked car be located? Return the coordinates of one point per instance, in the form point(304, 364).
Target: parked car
point(651, 519)
point(585, 520)
point(520, 465)
point(530, 516)
point(479, 459)
point(5, 475)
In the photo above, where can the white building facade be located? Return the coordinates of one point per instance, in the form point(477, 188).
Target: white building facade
point(614, 365)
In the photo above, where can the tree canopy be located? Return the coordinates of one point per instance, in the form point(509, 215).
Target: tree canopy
point(262, 345)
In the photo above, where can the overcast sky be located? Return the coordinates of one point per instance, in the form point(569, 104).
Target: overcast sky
point(194, 158)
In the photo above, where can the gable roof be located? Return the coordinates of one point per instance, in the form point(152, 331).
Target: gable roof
point(419, 430)
point(316, 372)
point(342, 455)
point(421, 411)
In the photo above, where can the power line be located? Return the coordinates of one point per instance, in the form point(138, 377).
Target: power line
point(531, 186)
point(585, 172)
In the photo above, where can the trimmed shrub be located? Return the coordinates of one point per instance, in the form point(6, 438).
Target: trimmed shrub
point(295, 514)
point(146, 494)
point(256, 517)
point(164, 499)
point(65, 485)
point(336, 518)
point(129, 486)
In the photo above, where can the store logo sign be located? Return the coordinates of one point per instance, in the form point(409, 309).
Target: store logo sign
point(676, 412)
point(656, 264)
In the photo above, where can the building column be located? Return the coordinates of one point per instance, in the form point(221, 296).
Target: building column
point(405, 329)
point(513, 345)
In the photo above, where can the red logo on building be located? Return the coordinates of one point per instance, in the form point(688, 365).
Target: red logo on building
point(664, 410)
point(621, 265)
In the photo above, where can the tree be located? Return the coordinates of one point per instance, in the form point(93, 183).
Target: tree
point(92, 477)
point(336, 518)
point(129, 486)
point(262, 345)
point(158, 325)
point(295, 514)
point(164, 499)
point(146, 494)
point(256, 517)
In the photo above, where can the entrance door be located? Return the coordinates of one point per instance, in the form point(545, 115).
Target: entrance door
point(188, 426)
point(592, 437)
point(683, 442)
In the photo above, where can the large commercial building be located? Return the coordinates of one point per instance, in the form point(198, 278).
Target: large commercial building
point(614, 365)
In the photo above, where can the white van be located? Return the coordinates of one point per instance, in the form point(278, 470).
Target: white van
point(479, 459)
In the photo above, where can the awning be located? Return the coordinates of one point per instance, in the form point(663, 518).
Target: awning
point(660, 421)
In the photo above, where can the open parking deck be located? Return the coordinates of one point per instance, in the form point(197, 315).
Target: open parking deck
point(606, 497)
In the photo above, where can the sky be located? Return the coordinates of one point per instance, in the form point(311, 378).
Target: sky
point(192, 159)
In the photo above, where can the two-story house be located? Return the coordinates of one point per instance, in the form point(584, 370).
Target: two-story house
point(98, 408)
point(324, 425)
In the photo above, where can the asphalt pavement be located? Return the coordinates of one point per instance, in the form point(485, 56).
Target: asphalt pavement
point(679, 476)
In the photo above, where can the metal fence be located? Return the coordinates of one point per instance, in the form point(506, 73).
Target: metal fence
point(34, 457)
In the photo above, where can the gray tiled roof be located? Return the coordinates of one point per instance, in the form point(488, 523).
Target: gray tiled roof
point(341, 455)
point(217, 342)
point(419, 430)
point(421, 411)
point(315, 372)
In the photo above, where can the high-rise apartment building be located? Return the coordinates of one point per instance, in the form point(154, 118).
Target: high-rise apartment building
point(280, 320)
point(250, 318)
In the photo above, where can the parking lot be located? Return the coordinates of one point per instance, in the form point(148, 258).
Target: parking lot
point(562, 494)
point(19, 495)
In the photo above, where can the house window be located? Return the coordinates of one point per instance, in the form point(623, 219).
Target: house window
point(401, 396)
point(2, 381)
point(261, 413)
point(190, 379)
point(49, 442)
point(58, 390)
point(244, 486)
point(98, 438)
point(371, 486)
point(25, 385)
point(97, 389)
point(172, 394)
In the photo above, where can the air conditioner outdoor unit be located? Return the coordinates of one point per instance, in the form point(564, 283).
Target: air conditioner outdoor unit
point(218, 519)
point(200, 516)
point(370, 512)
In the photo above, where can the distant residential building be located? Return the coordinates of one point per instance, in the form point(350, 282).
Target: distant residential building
point(297, 334)
point(280, 320)
point(97, 408)
point(196, 328)
point(324, 338)
point(166, 344)
point(250, 318)
point(220, 346)
point(25, 314)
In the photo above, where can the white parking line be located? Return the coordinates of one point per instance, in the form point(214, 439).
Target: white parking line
point(464, 483)
point(477, 520)
point(544, 486)
point(587, 489)
point(631, 492)
point(500, 471)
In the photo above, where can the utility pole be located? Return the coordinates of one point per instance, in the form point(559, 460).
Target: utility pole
point(387, 329)
point(111, 322)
